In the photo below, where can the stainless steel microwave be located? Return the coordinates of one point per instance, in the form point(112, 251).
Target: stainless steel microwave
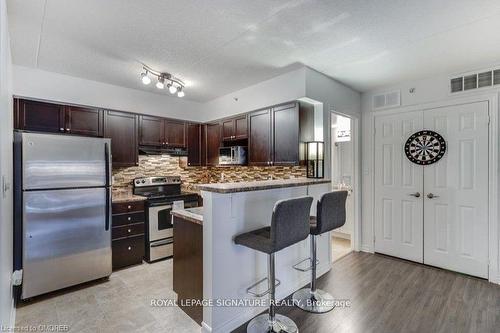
point(236, 155)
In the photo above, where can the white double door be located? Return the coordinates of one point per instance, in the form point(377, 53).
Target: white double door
point(435, 214)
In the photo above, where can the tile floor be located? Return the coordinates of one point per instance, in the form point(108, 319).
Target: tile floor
point(121, 304)
point(340, 248)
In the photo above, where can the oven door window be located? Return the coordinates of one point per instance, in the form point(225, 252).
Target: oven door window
point(164, 219)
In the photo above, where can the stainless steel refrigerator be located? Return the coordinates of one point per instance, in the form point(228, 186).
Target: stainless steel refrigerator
point(63, 210)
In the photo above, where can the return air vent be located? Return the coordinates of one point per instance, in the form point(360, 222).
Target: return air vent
point(387, 100)
point(470, 81)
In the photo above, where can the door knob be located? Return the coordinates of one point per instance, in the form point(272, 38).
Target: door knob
point(416, 194)
point(432, 196)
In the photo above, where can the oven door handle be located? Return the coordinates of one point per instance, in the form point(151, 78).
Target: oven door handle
point(163, 205)
point(161, 243)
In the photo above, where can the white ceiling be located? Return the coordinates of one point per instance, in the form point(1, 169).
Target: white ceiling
point(224, 45)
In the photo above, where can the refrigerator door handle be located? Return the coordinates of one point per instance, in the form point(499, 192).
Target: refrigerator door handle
point(108, 204)
point(106, 159)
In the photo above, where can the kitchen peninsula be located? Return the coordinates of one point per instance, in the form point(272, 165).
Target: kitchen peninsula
point(228, 269)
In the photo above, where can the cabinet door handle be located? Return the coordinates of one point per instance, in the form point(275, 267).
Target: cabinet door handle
point(129, 230)
point(129, 248)
point(416, 194)
point(432, 196)
point(61, 129)
point(129, 207)
point(68, 130)
point(129, 218)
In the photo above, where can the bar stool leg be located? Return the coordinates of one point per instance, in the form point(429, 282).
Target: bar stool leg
point(271, 322)
point(312, 299)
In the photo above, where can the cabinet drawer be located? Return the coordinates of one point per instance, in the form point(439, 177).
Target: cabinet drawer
point(126, 207)
point(128, 230)
point(128, 251)
point(124, 219)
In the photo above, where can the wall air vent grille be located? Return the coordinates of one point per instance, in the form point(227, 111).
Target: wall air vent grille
point(387, 100)
point(482, 79)
point(496, 76)
point(457, 84)
point(470, 82)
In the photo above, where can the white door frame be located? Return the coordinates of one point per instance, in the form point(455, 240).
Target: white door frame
point(493, 223)
point(356, 184)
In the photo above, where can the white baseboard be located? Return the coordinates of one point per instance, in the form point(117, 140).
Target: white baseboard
point(12, 314)
point(366, 248)
point(341, 235)
point(245, 316)
point(205, 328)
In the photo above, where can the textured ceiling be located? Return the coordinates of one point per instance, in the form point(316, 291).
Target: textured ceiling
point(220, 46)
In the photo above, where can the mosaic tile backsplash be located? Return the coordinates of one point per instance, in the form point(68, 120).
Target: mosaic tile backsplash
point(165, 165)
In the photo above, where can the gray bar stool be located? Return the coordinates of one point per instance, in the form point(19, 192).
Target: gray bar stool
point(330, 215)
point(289, 225)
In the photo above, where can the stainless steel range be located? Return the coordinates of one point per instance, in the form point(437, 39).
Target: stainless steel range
point(161, 193)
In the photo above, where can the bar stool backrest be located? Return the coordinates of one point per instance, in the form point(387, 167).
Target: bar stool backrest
point(290, 222)
point(331, 212)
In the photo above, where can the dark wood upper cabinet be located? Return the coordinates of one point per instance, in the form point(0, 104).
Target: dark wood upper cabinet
point(39, 116)
point(213, 141)
point(227, 128)
point(151, 131)
point(194, 144)
point(241, 127)
point(175, 133)
point(122, 129)
point(234, 128)
point(286, 134)
point(84, 121)
point(274, 136)
point(260, 135)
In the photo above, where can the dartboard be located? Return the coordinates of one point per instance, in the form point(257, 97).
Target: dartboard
point(425, 147)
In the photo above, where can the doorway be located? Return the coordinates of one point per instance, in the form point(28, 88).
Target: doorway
point(342, 175)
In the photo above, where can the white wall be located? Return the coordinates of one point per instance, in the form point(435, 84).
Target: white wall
point(36, 83)
point(430, 91)
point(335, 96)
point(6, 247)
point(283, 88)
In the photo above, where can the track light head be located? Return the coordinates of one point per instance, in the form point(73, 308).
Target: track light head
point(180, 93)
point(145, 78)
point(171, 88)
point(160, 84)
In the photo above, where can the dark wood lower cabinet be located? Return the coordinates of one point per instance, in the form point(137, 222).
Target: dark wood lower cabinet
point(128, 251)
point(127, 233)
point(188, 266)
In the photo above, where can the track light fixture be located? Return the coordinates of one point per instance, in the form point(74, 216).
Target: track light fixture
point(174, 84)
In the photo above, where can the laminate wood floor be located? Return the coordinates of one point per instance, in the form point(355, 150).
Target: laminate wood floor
point(391, 295)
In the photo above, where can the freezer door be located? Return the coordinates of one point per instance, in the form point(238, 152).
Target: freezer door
point(66, 239)
point(63, 161)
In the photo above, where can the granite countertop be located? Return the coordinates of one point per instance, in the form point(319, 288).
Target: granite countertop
point(194, 215)
point(118, 197)
point(260, 185)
